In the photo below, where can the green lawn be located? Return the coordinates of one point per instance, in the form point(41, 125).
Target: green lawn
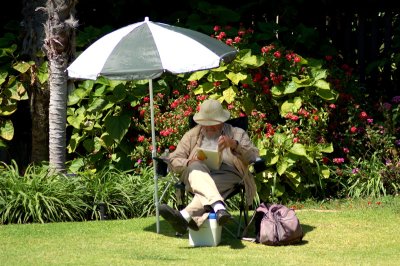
point(368, 234)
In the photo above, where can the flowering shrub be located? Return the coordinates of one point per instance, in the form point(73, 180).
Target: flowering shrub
point(304, 115)
point(365, 133)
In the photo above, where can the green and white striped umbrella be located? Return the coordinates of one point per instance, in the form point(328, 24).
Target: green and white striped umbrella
point(145, 50)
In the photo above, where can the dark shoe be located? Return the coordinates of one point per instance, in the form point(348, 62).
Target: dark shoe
point(223, 216)
point(176, 220)
point(192, 225)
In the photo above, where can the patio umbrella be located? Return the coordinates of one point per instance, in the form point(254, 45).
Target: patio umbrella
point(145, 50)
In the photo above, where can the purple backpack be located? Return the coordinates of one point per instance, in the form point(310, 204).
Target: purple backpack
point(276, 224)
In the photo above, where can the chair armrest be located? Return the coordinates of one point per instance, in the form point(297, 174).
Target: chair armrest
point(162, 167)
point(259, 165)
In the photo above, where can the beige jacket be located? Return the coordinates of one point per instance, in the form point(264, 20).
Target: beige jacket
point(241, 157)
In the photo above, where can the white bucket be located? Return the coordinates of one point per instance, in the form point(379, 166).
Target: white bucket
point(209, 233)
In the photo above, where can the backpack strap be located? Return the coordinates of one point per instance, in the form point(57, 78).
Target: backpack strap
point(262, 208)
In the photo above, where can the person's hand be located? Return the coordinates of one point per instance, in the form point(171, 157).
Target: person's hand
point(201, 155)
point(226, 142)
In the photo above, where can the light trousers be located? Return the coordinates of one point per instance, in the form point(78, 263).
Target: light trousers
point(207, 186)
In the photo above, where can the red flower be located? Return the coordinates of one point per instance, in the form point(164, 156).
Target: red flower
point(172, 148)
point(277, 54)
point(363, 115)
point(217, 28)
point(353, 130)
point(141, 138)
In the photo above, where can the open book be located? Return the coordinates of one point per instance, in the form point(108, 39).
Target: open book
point(212, 158)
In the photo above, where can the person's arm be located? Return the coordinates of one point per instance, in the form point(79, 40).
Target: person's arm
point(244, 149)
point(180, 158)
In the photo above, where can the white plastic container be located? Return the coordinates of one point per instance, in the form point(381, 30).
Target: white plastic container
point(209, 233)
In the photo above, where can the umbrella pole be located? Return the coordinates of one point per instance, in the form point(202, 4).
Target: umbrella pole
point(153, 155)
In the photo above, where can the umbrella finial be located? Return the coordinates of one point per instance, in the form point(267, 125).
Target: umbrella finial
point(146, 19)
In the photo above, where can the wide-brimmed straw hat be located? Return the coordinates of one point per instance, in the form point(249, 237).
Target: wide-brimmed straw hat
point(211, 113)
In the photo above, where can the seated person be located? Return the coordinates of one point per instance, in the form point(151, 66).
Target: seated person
point(208, 186)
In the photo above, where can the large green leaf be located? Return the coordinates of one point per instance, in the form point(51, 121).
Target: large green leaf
point(229, 94)
point(3, 76)
point(76, 165)
point(271, 158)
point(281, 166)
point(318, 74)
point(327, 148)
point(216, 76)
point(298, 149)
point(23, 67)
point(6, 129)
point(119, 94)
point(291, 106)
point(97, 105)
point(324, 91)
point(236, 77)
point(76, 96)
point(324, 171)
point(206, 87)
point(117, 126)
point(77, 118)
point(43, 74)
point(198, 75)
point(294, 178)
point(277, 91)
point(9, 109)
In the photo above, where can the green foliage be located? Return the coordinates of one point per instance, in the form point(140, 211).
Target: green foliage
point(112, 189)
point(39, 196)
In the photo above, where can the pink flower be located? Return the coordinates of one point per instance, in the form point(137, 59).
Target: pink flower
point(396, 99)
point(387, 106)
point(229, 41)
point(237, 39)
point(353, 130)
point(338, 160)
point(221, 35)
point(141, 138)
point(241, 33)
point(346, 150)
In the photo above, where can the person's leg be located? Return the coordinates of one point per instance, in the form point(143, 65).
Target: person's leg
point(207, 188)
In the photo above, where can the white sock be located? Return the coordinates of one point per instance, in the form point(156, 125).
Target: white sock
point(218, 206)
point(186, 215)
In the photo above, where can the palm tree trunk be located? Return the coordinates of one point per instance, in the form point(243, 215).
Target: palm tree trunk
point(59, 44)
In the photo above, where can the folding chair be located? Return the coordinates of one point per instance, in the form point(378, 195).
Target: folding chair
point(239, 189)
